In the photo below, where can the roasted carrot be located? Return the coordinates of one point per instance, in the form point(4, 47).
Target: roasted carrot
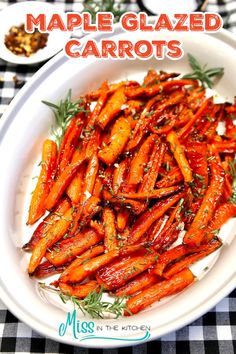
point(75, 188)
point(157, 291)
point(154, 194)
point(47, 224)
point(187, 261)
point(180, 157)
point(85, 257)
point(119, 175)
point(122, 219)
point(196, 231)
point(143, 223)
point(48, 165)
point(222, 214)
point(52, 236)
point(173, 177)
point(68, 249)
point(61, 184)
point(122, 270)
point(112, 108)
point(119, 136)
point(138, 283)
point(110, 240)
point(47, 269)
point(79, 290)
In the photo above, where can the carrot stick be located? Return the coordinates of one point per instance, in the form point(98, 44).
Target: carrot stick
point(90, 176)
point(167, 237)
point(143, 223)
point(53, 235)
point(196, 231)
point(153, 167)
point(157, 291)
point(225, 146)
point(119, 175)
point(46, 269)
point(122, 219)
point(46, 224)
point(79, 290)
point(85, 269)
point(85, 257)
point(119, 136)
point(110, 240)
point(139, 161)
point(187, 261)
point(222, 214)
point(75, 188)
point(180, 157)
point(174, 177)
point(112, 107)
point(68, 249)
point(111, 277)
point(138, 283)
point(48, 165)
point(61, 184)
point(158, 193)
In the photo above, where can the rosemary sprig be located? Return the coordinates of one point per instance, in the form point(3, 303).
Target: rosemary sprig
point(94, 6)
point(92, 304)
point(64, 112)
point(232, 167)
point(202, 73)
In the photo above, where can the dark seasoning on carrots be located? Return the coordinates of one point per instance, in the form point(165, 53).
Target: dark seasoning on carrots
point(123, 180)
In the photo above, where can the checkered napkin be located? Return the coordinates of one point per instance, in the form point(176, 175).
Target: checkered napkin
point(213, 333)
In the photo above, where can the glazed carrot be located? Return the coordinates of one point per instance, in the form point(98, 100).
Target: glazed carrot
point(154, 194)
point(196, 231)
point(167, 237)
point(70, 144)
point(85, 257)
point(139, 161)
point(138, 283)
point(98, 187)
point(85, 269)
point(178, 252)
point(122, 270)
point(183, 132)
point(75, 188)
point(143, 223)
point(101, 101)
point(119, 136)
point(94, 224)
point(112, 107)
point(80, 291)
point(222, 214)
point(153, 166)
point(110, 240)
point(47, 269)
point(119, 175)
point(156, 228)
point(83, 213)
point(53, 235)
point(157, 291)
point(225, 146)
point(94, 95)
point(122, 219)
point(174, 177)
point(90, 176)
point(46, 224)
point(68, 249)
point(61, 184)
point(48, 165)
point(180, 157)
point(187, 261)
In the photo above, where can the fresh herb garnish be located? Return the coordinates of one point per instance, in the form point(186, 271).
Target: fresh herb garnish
point(202, 73)
point(92, 304)
point(95, 6)
point(232, 167)
point(63, 113)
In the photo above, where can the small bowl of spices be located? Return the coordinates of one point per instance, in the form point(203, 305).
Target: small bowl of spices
point(20, 47)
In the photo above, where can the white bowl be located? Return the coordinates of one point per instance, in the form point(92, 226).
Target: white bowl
point(15, 15)
point(26, 124)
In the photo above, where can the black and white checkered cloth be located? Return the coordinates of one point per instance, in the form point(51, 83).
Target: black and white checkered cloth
point(213, 333)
